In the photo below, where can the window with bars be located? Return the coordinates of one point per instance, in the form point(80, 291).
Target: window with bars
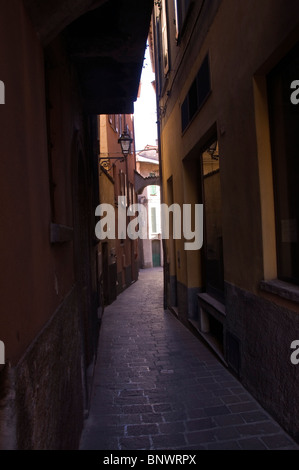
point(182, 9)
point(154, 219)
point(164, 38)
point(284, 119)
point(123, 184)
point(197, 94)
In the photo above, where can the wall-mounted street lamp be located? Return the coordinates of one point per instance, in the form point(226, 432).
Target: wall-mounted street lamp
point(125, 142)
point(213, 150)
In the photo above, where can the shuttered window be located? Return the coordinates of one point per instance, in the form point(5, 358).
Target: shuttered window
point(197, 94)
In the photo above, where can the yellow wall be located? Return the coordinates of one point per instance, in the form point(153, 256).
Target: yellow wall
point(238, 51)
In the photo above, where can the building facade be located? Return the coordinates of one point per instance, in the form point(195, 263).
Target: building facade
point(150, 248)
point(118, 256)
point(61, 64)
point(226, 76)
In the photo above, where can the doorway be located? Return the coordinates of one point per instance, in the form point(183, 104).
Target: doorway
point(171, 266)
point(156, 253)
point(105, 273)
point(213, 240)
point(211, 303)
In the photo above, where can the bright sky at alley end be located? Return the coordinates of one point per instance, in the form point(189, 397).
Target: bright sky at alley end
point(145, 114)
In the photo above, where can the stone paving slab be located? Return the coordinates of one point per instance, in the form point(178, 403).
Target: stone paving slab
point(157, 386)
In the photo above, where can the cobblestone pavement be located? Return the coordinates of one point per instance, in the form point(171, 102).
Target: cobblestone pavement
point(157, 386)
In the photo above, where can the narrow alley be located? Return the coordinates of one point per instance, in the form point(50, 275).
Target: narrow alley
point(157, 386)
point(212, 361)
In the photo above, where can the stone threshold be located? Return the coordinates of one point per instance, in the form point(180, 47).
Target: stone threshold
point(209, 306)
point(210, 340)
point(174, 310)
point(207, 300)
point(282, 289)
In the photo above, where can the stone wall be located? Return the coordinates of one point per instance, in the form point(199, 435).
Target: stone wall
point(42, 398)
point(7, 410)
point(265, 332)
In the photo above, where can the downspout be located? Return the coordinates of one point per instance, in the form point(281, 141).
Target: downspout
point(160, 162)
point(162, 201)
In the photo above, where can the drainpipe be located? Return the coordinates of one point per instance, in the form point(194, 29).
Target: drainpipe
point(162, 200)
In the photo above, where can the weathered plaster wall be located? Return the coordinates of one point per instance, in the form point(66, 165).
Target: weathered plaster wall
point(49, 415)
point(43, 386)
point(244, 44)
point(265, 332)
point(29, 275)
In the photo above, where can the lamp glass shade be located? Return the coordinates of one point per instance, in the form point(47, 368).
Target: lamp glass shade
point(125, 141)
